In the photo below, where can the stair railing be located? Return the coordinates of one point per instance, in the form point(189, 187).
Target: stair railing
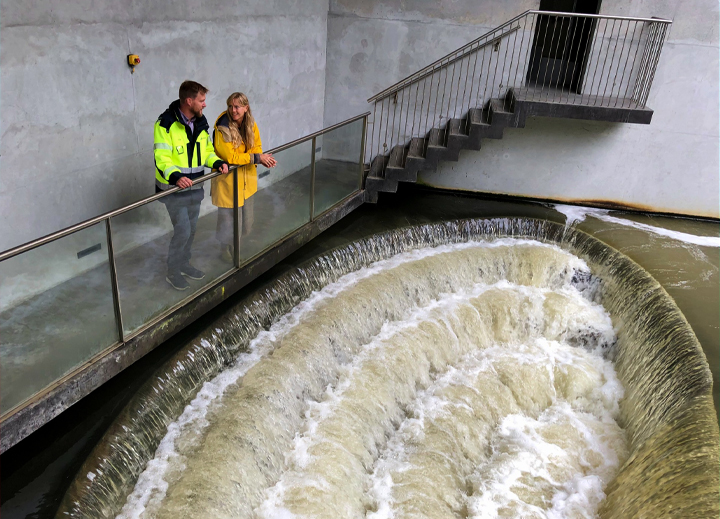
point(584, 59)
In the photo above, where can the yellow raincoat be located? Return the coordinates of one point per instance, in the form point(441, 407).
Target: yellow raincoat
point(221, 189)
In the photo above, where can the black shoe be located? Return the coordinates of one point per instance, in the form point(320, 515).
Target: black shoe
point(177, 281)
point(191, 272)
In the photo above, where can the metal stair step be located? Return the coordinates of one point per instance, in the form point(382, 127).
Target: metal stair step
point(378, 184)
point(397, 169)
point(500, 105)
point(417, 148)
point(377, 166)
point(460, 134)
point(457, 127)
point(416, 160)
point(480, 126)
point(478, 116)
point(401, 175)
point(437, 150)
point(501, 113)
point(436, 139)
point(397, 157)
point(498, 114)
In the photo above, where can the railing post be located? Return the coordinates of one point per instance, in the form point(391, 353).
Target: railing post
point(312, 181)
point(627, 60)
point(510, 79)
point(236, 218)
point(587, 56)
point(372, 135)
point(561, 72)
point(655, 61)
point(640, 78)
point(472, 86)
point(114, 281)
point(362, 152)
point(617, 70)
point(532, 39)
point(503, 83)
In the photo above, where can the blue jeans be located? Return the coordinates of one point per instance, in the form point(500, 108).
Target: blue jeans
point(184, 209)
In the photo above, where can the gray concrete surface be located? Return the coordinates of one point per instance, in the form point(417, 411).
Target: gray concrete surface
point(77, 126)
point(669, 166)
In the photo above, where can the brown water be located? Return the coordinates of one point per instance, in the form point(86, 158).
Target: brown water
point(688, 272)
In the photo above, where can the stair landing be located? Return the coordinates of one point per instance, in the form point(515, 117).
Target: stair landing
point(569, 105)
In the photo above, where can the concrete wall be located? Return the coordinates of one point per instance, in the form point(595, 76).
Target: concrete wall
point(375, 43)
point(671, 165)
point(77, 126)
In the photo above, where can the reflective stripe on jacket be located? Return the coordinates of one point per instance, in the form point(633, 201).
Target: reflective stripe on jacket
point(221, 189)
point(180, 152)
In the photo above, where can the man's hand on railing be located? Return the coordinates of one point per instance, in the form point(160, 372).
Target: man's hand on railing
point(183, 183)
point(224, 169)
point(267, 160)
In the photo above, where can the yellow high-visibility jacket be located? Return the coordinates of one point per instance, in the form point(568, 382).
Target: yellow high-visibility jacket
point(180, 152)
point(221, 189)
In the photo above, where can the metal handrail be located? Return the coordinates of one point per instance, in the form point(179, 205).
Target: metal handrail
point(152, 329)
point(318, 133)
point(111, 214)
point(601, 16)
point(431, 68)
point(545, 56)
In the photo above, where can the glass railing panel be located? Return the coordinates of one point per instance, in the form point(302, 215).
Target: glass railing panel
point(282, 201)
point(56, 312)
point(155, 244)
point(337, 165)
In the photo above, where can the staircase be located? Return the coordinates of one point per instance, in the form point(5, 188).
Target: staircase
point(605, 67)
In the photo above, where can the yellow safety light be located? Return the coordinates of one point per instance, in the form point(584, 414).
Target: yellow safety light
point(133, 59)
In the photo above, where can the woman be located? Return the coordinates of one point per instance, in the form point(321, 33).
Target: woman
point(237, 142)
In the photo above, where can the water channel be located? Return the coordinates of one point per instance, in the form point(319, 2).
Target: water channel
point(544, 312)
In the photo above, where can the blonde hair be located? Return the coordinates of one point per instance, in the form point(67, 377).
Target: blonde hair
point(245, 131)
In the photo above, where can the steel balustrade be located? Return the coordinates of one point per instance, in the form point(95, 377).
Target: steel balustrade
point(122, 335)
point(547, 56)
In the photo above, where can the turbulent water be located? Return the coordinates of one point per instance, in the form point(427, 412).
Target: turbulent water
point(467, 379)
point(439, 379)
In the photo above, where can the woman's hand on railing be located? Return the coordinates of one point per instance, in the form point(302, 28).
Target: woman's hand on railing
point(267, 160)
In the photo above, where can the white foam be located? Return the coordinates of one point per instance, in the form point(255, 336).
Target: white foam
point(152, 484)
point(576, 214)
point(519, 449)
point(521, 453)
point(273, 507)
point(604, 404)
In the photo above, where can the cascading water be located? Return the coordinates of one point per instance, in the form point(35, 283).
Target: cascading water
point(447, 370)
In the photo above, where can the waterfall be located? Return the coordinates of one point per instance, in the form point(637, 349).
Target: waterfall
point(507, 366)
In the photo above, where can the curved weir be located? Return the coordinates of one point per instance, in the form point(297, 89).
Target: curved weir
point(499, 368)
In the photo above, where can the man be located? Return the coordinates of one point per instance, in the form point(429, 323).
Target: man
point(182, 150)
